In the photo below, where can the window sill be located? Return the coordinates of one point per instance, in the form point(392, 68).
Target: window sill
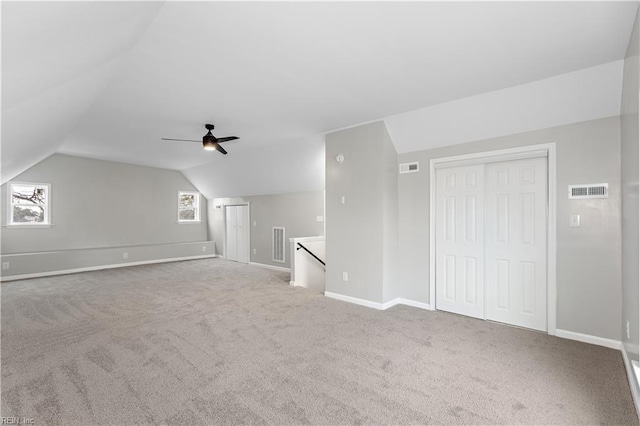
point(189, 222)
point(39, 226)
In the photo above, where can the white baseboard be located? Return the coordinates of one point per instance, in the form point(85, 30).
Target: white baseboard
point(355, 300)
point(632, 376)
point(587, 338)
point(376, 305)
point(295, 284)
point(413, 303)
point(390, 303)
point(100, 267)
point(275, 268)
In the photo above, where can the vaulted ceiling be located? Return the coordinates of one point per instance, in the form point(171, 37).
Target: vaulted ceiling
point(107, 80)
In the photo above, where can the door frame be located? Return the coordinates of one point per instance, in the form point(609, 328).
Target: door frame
point(516, 153)
point(224, 221)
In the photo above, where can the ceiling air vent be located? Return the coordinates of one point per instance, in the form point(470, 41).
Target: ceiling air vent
point(409, 167)
point(594, 190)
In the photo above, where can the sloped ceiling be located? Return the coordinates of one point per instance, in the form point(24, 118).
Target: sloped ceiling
point(57, 59)
point(108, 80)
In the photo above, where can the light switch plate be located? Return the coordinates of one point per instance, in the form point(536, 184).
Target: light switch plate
point(574, 221)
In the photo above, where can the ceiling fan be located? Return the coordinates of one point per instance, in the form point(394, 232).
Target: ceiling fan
point(209, 142)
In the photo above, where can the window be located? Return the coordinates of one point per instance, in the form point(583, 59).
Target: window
point(188, 207)
point(29, 203)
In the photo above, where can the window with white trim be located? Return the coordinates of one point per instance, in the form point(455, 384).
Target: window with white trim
point(188, 206)
point(29, 203)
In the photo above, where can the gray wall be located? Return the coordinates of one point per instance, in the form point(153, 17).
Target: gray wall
point(362, 233)
point(296, 212)
point(97, 204)
point(63, 261)
point(630, 176)
point(588, 274)
point(390, 245)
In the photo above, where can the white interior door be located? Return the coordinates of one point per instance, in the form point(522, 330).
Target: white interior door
point(460, 240)
point(516, 242)
point(237, 233)
point(242, 227)
point(231, 236)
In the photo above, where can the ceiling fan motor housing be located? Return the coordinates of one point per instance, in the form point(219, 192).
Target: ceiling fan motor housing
point(210, 142)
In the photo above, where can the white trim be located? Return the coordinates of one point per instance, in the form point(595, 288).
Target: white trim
point(295, 284)
point(510, 153)
point(502, 155)
point(588, 338)
point(376, 305)
point(39, 253)
point(101, 267)
point(552, 242)
point(390, 304)
point(275, 268)
point(432, 234)
point(22, 226)
point(413, 303)
point(355, 300)
point(306, 239)
point(631, 367)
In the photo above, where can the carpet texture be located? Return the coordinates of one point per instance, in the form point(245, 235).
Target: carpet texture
point(217, 342)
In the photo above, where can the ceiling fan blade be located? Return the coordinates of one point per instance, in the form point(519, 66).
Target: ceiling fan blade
point(227, 139)
point(221, 149)
point(181, 140)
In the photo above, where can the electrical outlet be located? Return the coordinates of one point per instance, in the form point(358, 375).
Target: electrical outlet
point(254, 251)
point(628, 334)
point(5, 265)
point(125, 255)
point(345, 276)
point(343, 199)
point(204, 248)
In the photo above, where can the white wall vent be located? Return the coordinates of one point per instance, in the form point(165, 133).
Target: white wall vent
point(278, 244)
point(593, 190)
point(409, 167)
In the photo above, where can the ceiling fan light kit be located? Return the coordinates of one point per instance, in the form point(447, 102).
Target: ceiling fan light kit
point(209, 142)
point(209, 145)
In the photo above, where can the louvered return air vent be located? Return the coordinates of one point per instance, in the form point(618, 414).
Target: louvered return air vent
point(278, 244)
point(409, 167)
point(594, 190)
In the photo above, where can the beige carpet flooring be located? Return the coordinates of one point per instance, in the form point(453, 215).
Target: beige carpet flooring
point(216, 342)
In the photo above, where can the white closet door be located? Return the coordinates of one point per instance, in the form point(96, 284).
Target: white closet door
point(460, 240)
point(231, 236)
point(242, 226)
point(516, 242)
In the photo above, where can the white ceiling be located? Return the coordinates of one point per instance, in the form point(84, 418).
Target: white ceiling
point(108, 80)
